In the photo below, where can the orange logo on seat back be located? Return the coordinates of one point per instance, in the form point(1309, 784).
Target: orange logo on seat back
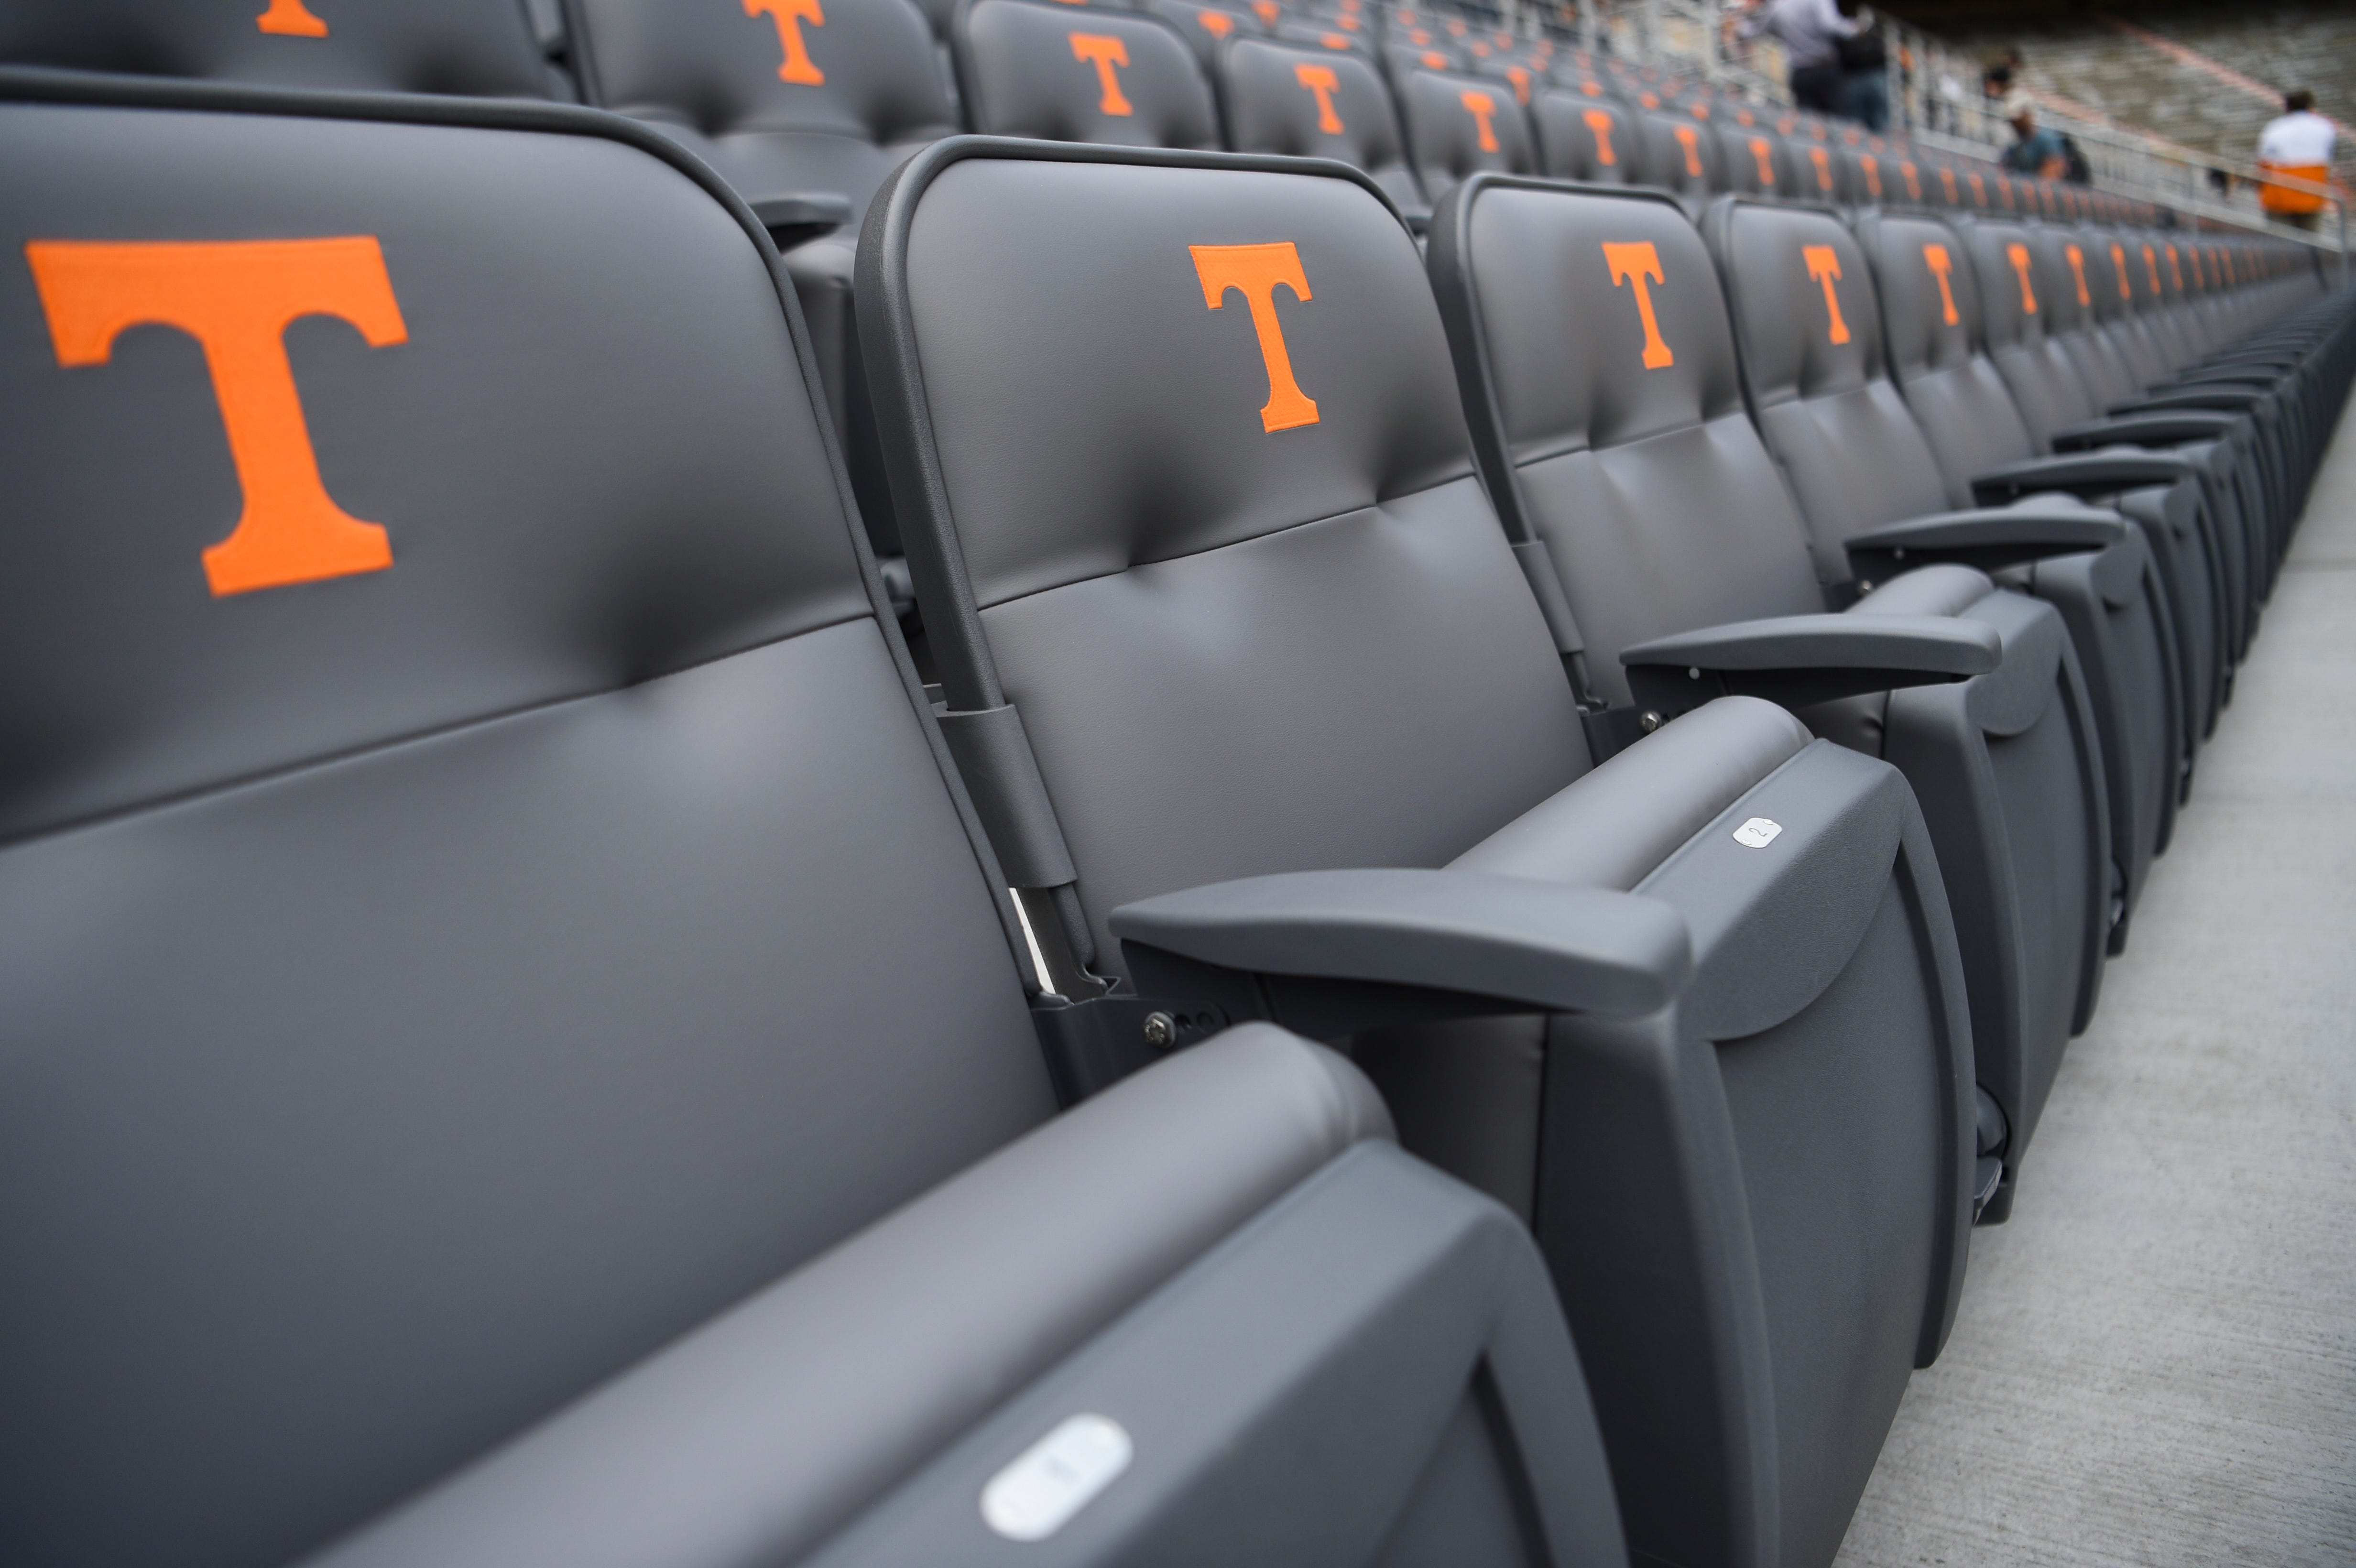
point(1593, 89)
point(1480, 105)
point(2119, 261)
point(1823, 267)
point(1824, 162)
point(1913, 181)
point(1947, 183)
point(1104, 51)
point(1765, 152)
point(1634, 264)
point(291, 19)
point(1520, 78)
point(2078, 270)
point(2018, 256)
point(1434, 60)
point(1980, 191)
point(790, 15)
point(1935, 257)
point(237, 299)
point(1267, 11)
point(1218, 24)
point(2151, 270)
point(1873, 178)
point(1321, 81)
point(1256, 271)
point(1599, 124)
point(1691, 140)
point(1334, 41)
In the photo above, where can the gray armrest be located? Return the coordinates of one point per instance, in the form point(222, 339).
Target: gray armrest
point(2147, 427)
point(1796, 660)
point(799, 216)
point(762, 1433)
point(2103, 473)
point(1331, 952)
point(1989, 539)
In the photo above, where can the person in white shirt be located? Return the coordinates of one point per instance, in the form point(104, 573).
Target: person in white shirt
point(2300, 145)
point(1808, 29)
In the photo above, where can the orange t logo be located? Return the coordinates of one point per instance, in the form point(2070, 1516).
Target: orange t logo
point(1593, 89)
point(1935, 257)
point(1635, 264)
point(1823, 267)
point(2119, 261)
point(1268, 11)
point(1323, 84)
point(288, 18)
point(2151, 270)
point(1104, 51)
point(1913, 182)
point(790, 15)
point(1873, 178)
point(1764, 155)
point(1691, 140)
point(1256, 271)
point(2018, 256)
point(1980, 191)
point(1520, 78)
point(2175, 270)
point(237, 298)
point(1480, 105)
point(2078, 270)
point(1218, 24)
point(1947, 181)
point(1824, 161)
point(1599, 123)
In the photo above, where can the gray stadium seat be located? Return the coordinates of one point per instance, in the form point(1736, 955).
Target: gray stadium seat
point(517, 1050)
point(1459, 124)
point(1586, 138)
point(1298, 102)
point(1216, 597)
point(1080, 74)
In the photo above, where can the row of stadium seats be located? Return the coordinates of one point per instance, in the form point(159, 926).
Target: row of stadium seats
point(536, 1032)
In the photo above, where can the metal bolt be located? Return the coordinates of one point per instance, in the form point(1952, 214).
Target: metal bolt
point(1649, 722)
point(1160, 1030)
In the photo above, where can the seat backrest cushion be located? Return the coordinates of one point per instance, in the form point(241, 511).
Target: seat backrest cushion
point(781, 99)
point(1930, 319)
point(1221, 525)
point(1757, 161)
point(1315, 103)
point(1066, 73)
point(2074, 270)
point(1680, 154)
point(1459, 124)
point(1808, 326)
point(1583, 138)
point(2016, 307)
point(476, 47)
point(476, 895)
point(1207, 27)
point(1599, 370)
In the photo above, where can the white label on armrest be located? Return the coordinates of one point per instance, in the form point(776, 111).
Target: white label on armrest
point(1055, 1477)
point(1758, 833)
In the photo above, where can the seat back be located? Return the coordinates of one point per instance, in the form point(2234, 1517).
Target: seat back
point(1207, 27)
point(2016, 306)
point(1297, 102)
point(1238, 570)
point(1061, 73)
point(1321, 34)
point(2076, 280)
point(1606, 386)
point(782, 98)
point(1681, 157)
point(1807, 324)
point(549, 919)
point(1814, 169)
point(1457, 124)
point(1864, 177)
point(484, 48)
point(2126, 320)
point(1757, 161)
point(1930, 324)
point(1584, 138)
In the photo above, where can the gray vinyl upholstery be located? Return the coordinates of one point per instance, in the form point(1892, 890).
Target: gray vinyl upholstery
point(1444, 139)
point(1585, 138)
point(1207, 27)
point(1273, 107)
point(1681, 155)
point(1031, 70)
point(1757, 160)
point(473, 47)
point(2017, 303)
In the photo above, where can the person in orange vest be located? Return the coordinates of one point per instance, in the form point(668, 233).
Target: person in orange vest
point(2298, 144)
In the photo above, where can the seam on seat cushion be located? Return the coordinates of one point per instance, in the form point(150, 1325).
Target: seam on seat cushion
point(1943, 589)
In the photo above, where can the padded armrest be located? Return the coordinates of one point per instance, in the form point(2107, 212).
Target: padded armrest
point(2201, 395)
point(1988, 538)
point(1331, 952)
point(1797, 660)
point(766, 1430)
point(2102, 472)
point(2150, 425)
point(801, 216)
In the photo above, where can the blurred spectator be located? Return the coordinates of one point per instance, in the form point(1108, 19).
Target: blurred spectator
point(1864, 57)
point(1809, 30)
point(2298, 144)
point(2037, 150)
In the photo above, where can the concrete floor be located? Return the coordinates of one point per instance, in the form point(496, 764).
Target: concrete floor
point(2154, 1362)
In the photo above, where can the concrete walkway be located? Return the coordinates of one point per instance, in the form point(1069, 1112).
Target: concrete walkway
point(2155, 1360)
